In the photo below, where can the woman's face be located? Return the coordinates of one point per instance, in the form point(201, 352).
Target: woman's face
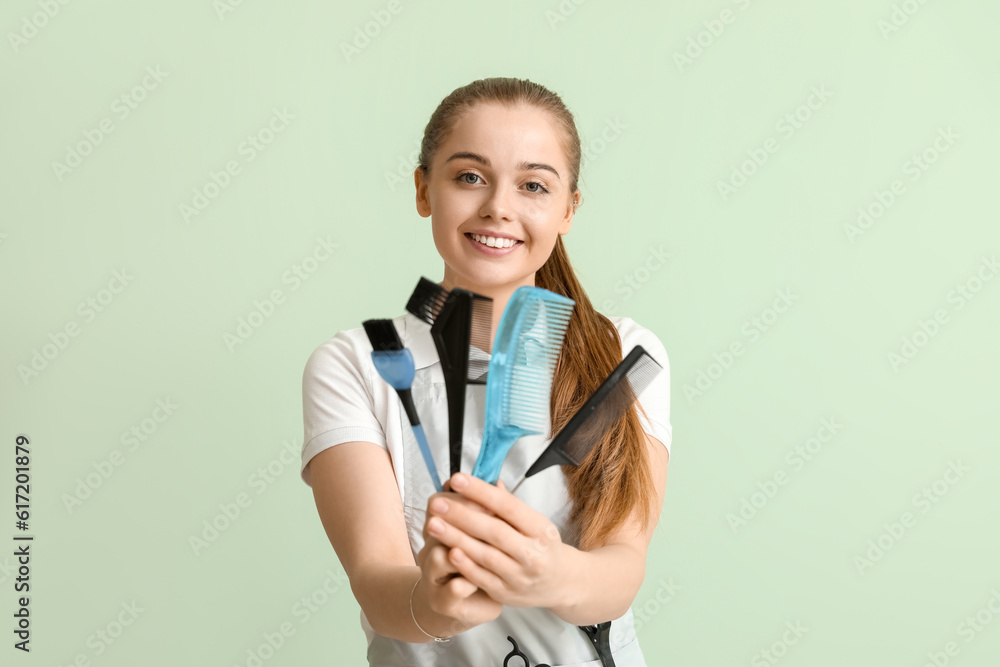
point(501, 173)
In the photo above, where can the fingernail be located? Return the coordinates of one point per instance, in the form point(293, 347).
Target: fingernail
point(459, 481)
point(436, 526)
point(439, 505)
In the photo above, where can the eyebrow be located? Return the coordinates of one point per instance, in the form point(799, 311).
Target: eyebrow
point(525, 166)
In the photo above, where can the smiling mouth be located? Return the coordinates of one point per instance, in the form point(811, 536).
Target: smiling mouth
point(493, 242)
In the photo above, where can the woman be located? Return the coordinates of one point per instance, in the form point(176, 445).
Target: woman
point(476, 575)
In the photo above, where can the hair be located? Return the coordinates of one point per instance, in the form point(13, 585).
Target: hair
point(614, 482)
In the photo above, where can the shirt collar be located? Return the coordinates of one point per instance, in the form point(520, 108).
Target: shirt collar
point(416, 336)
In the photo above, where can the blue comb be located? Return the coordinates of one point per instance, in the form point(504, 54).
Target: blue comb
point(394, 364)
point(519, 383)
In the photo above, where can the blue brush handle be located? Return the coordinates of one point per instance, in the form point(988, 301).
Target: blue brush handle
point(494, 451)
point(425, 450)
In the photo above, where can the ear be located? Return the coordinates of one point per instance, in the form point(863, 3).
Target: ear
point(567, 221)
point(423, 202)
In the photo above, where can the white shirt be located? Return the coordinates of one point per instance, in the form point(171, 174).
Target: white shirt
point(344, 400)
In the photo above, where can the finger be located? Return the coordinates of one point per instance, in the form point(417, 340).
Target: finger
point(502, 503)
point(497, 559)
point(489, 529)
point(460, 587)
point(436, 499)
point(437, 568)
point(476, 575)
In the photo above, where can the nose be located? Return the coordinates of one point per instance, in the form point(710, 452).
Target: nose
point(498, 205)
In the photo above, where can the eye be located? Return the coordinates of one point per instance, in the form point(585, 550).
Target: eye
point(461, 177)
point(540, 189)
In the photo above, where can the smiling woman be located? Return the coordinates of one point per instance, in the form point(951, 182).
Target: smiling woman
point(459, 577)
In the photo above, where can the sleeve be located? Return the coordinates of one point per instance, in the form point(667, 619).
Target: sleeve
point(337, 400)
point(655, 398)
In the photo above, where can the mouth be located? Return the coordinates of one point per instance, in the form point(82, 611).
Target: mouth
point(493, 241)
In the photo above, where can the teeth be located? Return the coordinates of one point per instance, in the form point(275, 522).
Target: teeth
point(494, 242)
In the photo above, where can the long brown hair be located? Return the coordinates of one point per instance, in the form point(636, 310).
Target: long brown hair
point(614, 481)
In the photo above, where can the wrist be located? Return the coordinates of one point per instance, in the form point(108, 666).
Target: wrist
point(427, 621)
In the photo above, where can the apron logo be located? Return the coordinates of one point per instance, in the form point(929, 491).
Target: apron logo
point(516, 653)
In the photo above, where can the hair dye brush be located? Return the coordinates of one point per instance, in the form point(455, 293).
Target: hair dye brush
point(528, 342)
point(394, 364)
point(605, 406)
point(459, 319)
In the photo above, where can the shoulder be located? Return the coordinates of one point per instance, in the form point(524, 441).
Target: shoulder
point(632, 333)
point(347, 356)
point(339, 354)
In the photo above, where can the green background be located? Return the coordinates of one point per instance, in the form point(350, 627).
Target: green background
point(717, 592)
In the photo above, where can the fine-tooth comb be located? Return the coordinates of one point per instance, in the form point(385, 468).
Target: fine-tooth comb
point(604, 407)
point(528, 342)
point(459, 319)
point(394, 364)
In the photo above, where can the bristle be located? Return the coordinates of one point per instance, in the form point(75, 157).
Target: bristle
point(480, 336)
point(482, 321)
point(383, 335)
point(427, 300)
point(543, 329)
point(603, 416)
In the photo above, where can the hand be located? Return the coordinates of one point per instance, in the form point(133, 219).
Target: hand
point(510, 551)
point(430, 540)
point(454, 597)
point(443, 589)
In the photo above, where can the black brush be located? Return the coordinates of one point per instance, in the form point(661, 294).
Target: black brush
point(459, 320)
point(605, 406)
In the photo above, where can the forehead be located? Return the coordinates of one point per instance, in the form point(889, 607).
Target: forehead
point(506, 134)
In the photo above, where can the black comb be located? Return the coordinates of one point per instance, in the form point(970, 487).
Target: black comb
point(426, 302)
point(605, 406)
point(459, 319)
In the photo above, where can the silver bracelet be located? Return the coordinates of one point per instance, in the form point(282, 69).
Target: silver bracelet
point(412, 591)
